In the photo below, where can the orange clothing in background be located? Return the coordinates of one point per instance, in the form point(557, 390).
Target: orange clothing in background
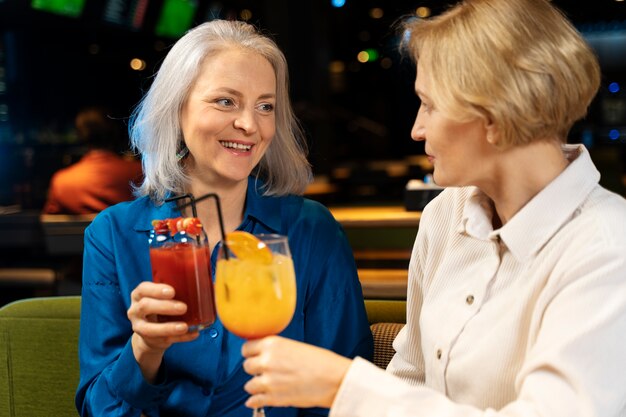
point(100, 179)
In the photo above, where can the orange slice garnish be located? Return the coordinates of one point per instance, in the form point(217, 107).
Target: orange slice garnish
point(247, 246)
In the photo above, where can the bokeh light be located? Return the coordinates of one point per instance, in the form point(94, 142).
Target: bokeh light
point(614, 134)
point(386, 63)
point(422, 12)
point(245, 15)
point(376, 13)
point(138, 64)
point(337, 67)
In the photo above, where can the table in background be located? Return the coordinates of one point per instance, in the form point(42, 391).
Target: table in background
point(382, 239)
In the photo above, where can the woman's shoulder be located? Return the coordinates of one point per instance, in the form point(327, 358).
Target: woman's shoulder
point(602, 218)
point(124, 216)
point(306, 209)
point(449, 204)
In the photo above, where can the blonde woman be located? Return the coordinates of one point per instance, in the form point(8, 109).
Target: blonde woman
point(517, 289)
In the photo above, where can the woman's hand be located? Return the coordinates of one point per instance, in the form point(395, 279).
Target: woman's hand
point(291, 374)
point(150, 338)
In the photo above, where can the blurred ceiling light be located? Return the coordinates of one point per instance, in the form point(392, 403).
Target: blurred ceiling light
point(138, 64)
point(376, 13)
point(363, 57)
point(422, 12)
point(337, 67)
point(245, 14)
point(386, 63)
point(338, 3)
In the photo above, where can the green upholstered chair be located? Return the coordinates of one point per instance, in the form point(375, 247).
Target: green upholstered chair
point(386, 318)
point(39, 352)
point(39, 357)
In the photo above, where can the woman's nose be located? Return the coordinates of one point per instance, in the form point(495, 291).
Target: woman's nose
point(246, 121)
point(418, 131)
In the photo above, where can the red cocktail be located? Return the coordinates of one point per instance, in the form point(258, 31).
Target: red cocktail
point(183, 261)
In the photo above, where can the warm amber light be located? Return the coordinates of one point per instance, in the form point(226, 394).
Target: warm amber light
point(245, 14)
point(376, 13)
point(422, 12)
point(363, 56)
point(337, 67)
point(138, 64)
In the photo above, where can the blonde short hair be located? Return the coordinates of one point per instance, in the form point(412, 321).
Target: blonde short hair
point(155, 129)
point(519, 63)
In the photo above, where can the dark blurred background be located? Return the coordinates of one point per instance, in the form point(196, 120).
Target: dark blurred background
point(350, 87)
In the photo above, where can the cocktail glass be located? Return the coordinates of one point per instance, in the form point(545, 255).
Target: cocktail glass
point(180, 256)
point(255, 288)
point(184, 262)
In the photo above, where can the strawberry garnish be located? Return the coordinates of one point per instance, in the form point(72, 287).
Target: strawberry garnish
point(192, 226)
point(160, 226)
point(189, 225)
point(172, 224)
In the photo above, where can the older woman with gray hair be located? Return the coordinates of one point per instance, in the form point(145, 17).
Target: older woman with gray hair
point(216, 120)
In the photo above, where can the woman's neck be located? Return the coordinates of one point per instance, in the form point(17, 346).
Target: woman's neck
point(232, 203)
point(520, 173)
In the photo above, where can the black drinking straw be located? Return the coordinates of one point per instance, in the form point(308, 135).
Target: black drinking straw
point(192, 202)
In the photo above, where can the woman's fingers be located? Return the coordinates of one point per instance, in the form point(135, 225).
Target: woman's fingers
point(152, 290)
point(146, 307)
point(149, 300)
point(147, 328)
point(291, 373)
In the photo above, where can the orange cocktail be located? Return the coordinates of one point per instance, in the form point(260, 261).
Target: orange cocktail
point(255, 290)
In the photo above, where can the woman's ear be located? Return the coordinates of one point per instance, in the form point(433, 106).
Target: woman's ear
point(493, 134)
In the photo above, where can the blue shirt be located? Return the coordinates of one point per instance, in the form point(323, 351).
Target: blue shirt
point(205, 377)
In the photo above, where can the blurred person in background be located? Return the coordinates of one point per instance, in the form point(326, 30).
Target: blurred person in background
point(517, 282)
point(104, 176)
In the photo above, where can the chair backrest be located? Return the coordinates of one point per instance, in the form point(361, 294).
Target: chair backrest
point(39, 368)
point(386, 318)
point(63, 233)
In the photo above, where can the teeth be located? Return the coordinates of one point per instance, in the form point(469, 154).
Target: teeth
point(237, 146)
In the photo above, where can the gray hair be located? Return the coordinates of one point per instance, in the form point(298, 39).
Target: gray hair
point(155, 130)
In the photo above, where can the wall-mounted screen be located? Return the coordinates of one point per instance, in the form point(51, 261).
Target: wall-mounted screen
point(127, 13)
point(71, 8)
point(176, 18)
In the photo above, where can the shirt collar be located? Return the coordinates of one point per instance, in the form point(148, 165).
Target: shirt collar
point(163, 211)
point(533, 226)
point(259, 208)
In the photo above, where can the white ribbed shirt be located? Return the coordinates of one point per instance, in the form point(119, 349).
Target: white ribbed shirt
point(526, 320)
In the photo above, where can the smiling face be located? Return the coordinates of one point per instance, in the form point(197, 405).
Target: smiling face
point(459, 151)
point(228, 118)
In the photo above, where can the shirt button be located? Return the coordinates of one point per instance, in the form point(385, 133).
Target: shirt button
point(470, 299)
point(213, 333)
point(438, 353)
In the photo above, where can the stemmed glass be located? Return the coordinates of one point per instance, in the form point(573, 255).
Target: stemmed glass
point(255, 286)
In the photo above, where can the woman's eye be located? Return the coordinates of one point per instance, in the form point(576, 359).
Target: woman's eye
point(266, 107)
point(226, 102)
